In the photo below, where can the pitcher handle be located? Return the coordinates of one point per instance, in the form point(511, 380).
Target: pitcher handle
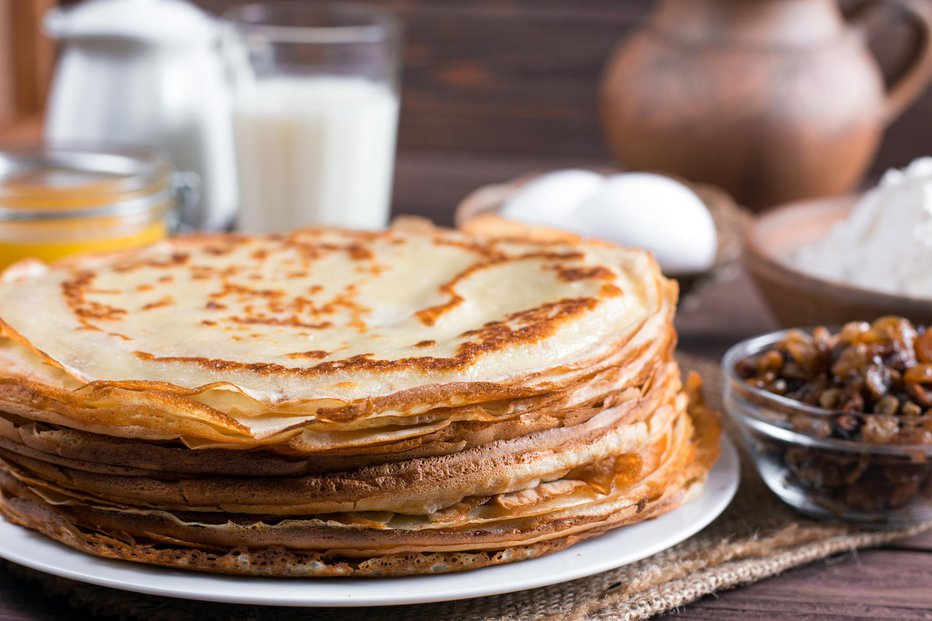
point(186, 187)
point(917, 74)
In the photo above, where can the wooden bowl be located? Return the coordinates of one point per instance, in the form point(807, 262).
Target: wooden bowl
point(731, 222)
point(800, 299)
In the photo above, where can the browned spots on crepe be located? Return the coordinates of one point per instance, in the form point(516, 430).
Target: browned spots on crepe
point(289, 322)
point(571, 274)
point(75, 292)
point(174, 260)
point(431, 315)
point(529, 326)
point(314, 354)
point(165, 300)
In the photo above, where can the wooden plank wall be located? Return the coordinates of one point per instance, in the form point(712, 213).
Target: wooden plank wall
point(518, 77)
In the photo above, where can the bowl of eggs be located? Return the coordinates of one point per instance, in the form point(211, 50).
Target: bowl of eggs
point(693, 230)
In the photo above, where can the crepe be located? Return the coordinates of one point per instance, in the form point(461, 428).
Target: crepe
point(330, 318)
point(341, 403)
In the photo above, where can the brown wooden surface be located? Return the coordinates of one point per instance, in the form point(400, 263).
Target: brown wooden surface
point(519, 77)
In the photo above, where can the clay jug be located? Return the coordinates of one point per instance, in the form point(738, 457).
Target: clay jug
point(772, 100)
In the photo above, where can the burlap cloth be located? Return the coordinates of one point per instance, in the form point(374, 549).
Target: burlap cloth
point(756, 537)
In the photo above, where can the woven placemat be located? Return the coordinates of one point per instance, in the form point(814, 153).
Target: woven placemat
point(756, 537)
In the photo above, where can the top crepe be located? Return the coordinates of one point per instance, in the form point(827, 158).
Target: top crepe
point(316, 319)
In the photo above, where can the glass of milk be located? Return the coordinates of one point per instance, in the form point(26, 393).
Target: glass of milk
point(315, 113)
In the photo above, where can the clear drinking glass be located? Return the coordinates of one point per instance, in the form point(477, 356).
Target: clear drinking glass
point(315, 106)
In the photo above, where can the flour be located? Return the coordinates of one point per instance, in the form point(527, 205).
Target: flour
point(885, 243)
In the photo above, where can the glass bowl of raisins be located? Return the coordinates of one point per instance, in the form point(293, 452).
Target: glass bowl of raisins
point(839, 420)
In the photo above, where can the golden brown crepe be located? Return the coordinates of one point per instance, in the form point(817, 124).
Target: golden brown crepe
point(342, 403)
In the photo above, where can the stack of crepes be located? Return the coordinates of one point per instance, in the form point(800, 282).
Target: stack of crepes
point(333, 403)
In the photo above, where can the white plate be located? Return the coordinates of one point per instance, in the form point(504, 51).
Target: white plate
point(613, 549)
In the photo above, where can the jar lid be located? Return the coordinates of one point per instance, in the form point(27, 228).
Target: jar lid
point(152, 21)
point(64, 183)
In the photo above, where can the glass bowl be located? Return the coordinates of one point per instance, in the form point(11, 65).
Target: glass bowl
point(791, 445)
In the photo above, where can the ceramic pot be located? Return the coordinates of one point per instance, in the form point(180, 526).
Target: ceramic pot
point(772, 100)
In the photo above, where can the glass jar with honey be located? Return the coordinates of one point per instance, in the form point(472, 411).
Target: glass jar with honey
point(57, 202)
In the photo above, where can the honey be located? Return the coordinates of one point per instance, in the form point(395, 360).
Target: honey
point(56, 203)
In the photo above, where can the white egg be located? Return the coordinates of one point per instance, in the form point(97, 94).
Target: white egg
point(552, 198)
point(652, 212)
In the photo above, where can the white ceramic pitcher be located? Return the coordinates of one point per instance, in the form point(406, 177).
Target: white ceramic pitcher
point(147, 72)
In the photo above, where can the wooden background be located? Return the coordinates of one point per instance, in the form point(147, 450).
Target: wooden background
point(519, 77)
point(495, 88)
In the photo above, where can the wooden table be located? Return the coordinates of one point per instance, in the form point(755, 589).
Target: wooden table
point(888, 583)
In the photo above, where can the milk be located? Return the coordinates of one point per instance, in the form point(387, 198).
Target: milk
point(314, 151)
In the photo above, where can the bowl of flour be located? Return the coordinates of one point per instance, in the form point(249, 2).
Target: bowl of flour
point(851, 258)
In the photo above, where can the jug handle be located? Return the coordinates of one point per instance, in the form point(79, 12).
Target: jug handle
point(913, 80)
point(186, 188)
